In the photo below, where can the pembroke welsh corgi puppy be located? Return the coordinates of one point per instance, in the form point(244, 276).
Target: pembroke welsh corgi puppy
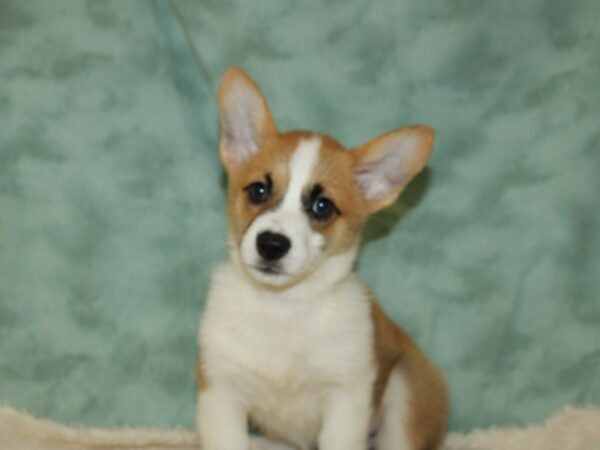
point(291, 341)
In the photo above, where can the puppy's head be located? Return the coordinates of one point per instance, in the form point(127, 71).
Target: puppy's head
point(298, 200)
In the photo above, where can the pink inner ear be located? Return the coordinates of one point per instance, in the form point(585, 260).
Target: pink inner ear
point(375, 181)
point(241, 137)
point(386, 167)
point(245, 118)
point(241, 118)
point(389, 163)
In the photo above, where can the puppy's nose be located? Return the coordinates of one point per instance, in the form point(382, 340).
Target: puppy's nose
point(272, 246)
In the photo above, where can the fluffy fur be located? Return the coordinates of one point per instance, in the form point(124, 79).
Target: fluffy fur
point(291, 340)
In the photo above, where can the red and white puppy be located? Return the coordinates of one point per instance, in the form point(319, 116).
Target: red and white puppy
point(291, 341)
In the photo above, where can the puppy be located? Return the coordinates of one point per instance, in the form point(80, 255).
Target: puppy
point(291, 340)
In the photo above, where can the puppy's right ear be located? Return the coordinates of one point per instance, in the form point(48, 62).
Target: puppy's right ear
point(246, 121)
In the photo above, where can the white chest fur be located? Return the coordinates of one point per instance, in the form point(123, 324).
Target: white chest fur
point(283, 354)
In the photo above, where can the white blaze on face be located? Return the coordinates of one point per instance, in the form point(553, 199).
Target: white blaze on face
point(302, 164)
point(288, 219)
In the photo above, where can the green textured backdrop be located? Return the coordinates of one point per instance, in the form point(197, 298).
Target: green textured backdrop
point(112, 208)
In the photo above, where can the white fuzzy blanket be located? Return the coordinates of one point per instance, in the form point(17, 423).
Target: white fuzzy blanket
point(570, 429)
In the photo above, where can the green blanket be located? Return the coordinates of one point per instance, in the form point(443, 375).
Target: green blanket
point(112, 200)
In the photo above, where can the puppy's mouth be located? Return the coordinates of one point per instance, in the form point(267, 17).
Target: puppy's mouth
point(269, 269)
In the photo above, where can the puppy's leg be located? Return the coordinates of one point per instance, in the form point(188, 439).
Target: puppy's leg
point(221, 419)
point(393, 434)
point(346, 419)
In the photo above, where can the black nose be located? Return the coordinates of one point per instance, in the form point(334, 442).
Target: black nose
point(272, 246)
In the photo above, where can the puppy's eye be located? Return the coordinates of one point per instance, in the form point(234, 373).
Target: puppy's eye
point(257, 192)
point(322, 208)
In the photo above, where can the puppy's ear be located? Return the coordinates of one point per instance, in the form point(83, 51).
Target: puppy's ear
point(246, 121)
point(385, 166)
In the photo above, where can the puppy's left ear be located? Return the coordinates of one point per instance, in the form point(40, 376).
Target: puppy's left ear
point(385, 166)
point(246, 121)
